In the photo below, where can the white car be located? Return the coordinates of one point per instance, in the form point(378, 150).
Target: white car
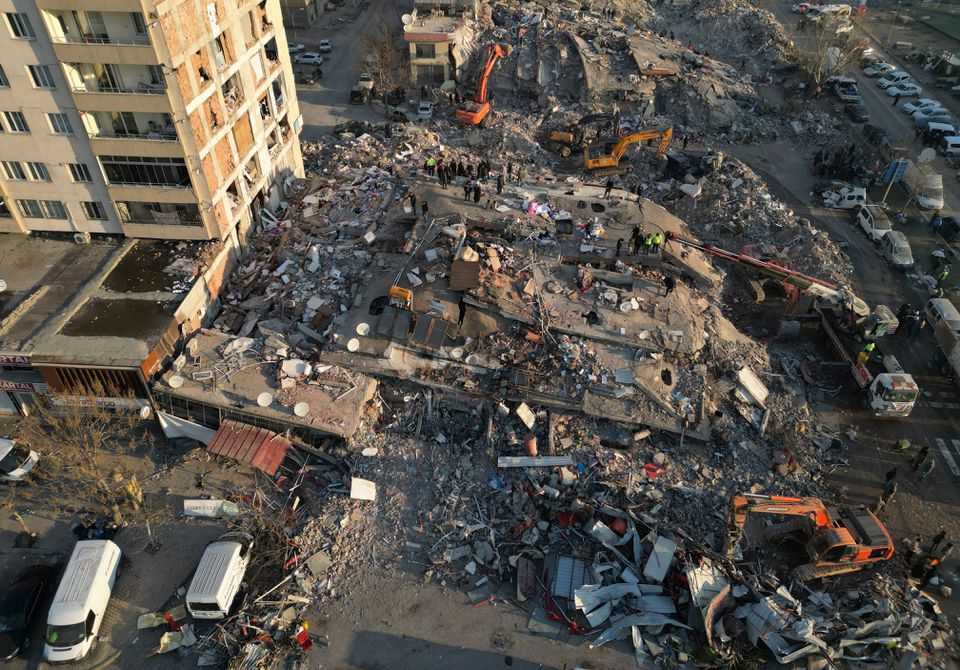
point(894, 78)
point(324, 47)
point(15, 461)
point(930, 114)
point(879, 68)
point(904, 90)
point(922, 104)
point(308, 58)
point(295, 48)
point(425, 111)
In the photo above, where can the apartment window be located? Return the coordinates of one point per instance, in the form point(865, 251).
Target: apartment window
point(60, 124)
point(20, 26)
point(38, 171)
point(53, 209)
point(158, 213)
point(16, 123)
point(426, 50)
point(138, 23)
point(40, 74)
point(4, 82)
point(30, 209)
point(94, 211)
point(80, 172)
point(146, 170)
point(156, 74)
point(13, 170)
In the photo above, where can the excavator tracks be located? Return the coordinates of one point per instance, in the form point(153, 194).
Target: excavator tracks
point(809, 572)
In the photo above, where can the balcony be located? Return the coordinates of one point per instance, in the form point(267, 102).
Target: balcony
point(95, 36)
point(136, 51)
point(142, 98)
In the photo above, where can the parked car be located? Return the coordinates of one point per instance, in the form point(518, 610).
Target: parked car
point(295, 48)
point(425, 111)
point(874, 133)
point(324, 47)
point(846, 90)
point(856, 112)
point(878, 69)
point(308, 58)
point(922, 120)
point(20, 604)
point(950, 146)
point(950, 230)
point(936, 131)
point(904, 90)
point(919, 105)
point(872, 221)
point(894, 78)
point(803, 7)
point(896, 250)
point(15, 461)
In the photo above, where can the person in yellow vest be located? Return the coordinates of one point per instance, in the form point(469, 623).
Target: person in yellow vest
point(657, 241)
point(864, 355)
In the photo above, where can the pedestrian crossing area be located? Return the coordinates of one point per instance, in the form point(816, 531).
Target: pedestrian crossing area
point(950, 450)
point(940, 399)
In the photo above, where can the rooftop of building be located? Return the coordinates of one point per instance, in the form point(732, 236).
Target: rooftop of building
point(435, 24)
point(261, 378)
point(106, 303)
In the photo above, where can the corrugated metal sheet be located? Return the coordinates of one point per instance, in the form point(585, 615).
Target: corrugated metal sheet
point(254, 446)
point(464, 275)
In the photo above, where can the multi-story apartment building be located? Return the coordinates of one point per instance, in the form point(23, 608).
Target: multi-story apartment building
point(175, 120)
point(439, 35)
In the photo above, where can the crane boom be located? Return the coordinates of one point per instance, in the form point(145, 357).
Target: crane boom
point(494, 53)
point(805, 283)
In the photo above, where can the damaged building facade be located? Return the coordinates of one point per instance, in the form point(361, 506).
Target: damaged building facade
point(171, 120)
point(439, 36)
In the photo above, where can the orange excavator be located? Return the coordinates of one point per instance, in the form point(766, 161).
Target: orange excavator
point(837, 539)
point(474, 112)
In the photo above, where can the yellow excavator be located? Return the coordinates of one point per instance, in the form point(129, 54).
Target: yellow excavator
point(575, 137)
point(604, 159)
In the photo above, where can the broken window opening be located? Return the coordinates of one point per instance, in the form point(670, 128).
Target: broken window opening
point(279, 99)
point(232, 93)
point(219, 53)
point(251, 172)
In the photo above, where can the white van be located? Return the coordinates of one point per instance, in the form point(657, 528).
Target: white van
point(77, 610)
point(873, 221)
point(941, 309)
point(950, 146)
point(897, 250)
point(219, 576)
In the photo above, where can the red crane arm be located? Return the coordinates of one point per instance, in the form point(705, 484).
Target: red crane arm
point(494, 53)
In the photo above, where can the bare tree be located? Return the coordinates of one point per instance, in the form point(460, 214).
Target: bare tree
point(828, 49)
point(92, 460)
point(385, 58)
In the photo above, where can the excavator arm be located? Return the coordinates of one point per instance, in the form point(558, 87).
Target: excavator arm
point(805, 283)
point(742, 505)
point(598, 158)
point(494, 53)
point(642, 136)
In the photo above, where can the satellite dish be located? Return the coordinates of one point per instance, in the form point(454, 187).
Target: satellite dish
point(363, 329)
point(353, 344)
point(145, 412)
point(927, 155)
point(176, 381)
point(264, 399)
point(3, 286)
point(301, 409)
point(407, 19)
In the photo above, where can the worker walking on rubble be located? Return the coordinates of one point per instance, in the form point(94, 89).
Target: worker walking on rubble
point(921, 457)
point(635, 240)
point(619, 248)
point(864, 355)
point(466, 190)
point(519, 174)
point(608, 189)
point(912, 549)
point(942, 277)
point(413, 202)
point(477, 192)
point(885, 498)
point(669, 283)
point(499, 184)
point(647, 243)
point(424, 210)
point(936, 541)
point(927, 469)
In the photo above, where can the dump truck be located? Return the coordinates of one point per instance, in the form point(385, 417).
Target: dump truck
point(889, 390)
point(837, 539)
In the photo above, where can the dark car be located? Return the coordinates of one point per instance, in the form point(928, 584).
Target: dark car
point(19, 605)
point(874, 134)
point(950, 230)
point(856, 112)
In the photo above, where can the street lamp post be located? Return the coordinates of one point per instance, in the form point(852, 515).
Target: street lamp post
point(886, 46)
